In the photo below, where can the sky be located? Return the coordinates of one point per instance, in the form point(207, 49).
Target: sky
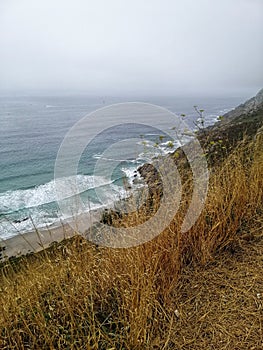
point(118, 47)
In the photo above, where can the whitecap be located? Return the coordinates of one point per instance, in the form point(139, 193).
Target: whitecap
point(11, 201)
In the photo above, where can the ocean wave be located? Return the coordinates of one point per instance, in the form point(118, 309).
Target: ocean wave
point(134, 178)
point(37, 217)
point(11, 201)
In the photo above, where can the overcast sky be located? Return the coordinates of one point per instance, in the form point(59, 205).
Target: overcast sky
point(156, 47)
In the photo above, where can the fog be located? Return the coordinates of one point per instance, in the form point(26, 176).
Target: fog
point(118, 47)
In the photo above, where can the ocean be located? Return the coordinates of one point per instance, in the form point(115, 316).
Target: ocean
point(32, 129)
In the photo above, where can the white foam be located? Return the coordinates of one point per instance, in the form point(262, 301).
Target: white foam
point(38, 218)
point(130, 172)
point(117, 160)
point(11, 201)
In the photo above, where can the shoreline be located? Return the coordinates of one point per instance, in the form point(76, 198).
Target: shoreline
point(41, 238)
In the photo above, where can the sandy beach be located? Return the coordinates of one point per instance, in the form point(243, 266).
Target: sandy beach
point(41, 238)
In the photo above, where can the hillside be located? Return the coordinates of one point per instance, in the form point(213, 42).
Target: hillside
point(246, 120)
point(200, 289)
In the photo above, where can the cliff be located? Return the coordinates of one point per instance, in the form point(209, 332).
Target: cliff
point(217, 141)
point(249, 108)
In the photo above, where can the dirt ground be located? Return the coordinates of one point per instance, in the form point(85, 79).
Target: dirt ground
point(220, 306)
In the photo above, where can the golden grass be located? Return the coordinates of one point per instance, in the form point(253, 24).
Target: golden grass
point(198, 290)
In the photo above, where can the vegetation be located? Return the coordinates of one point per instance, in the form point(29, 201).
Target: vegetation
point(197, 290)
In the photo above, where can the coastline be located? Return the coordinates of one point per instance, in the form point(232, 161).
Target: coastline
point(235, 123)
point(40, 239)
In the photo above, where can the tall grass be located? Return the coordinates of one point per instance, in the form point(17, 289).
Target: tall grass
point(79, 296)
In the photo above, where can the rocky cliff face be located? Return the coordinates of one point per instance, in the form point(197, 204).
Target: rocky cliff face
point(249, 108)
point(218, 140)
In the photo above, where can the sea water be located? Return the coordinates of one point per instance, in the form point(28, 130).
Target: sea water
point(31, 131)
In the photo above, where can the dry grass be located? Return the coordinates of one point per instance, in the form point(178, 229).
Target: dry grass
point(199, 290)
